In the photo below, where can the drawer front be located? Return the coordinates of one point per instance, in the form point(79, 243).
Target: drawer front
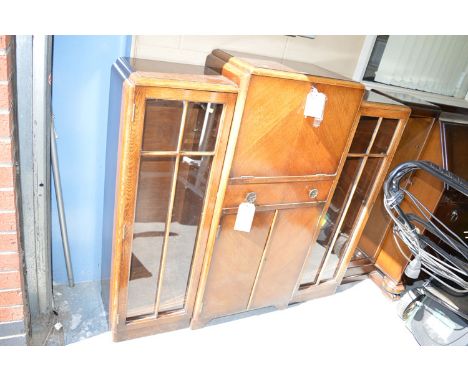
point(278, 193)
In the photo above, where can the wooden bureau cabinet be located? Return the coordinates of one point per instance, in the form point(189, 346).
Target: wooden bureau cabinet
point(187, 145)
point(290, 165)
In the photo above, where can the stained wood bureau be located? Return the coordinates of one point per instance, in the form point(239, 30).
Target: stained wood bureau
point(187, 145)
point(290, 165)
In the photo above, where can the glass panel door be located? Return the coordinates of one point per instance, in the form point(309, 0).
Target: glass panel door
point(367, 154)
point(179, 141)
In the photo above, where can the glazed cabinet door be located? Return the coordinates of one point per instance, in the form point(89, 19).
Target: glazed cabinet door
point(371, 150)
point(171, 158)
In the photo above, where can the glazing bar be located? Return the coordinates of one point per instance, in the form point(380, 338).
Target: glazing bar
point(149, 154)
point(348, 203)
point(208, 111)
point(169, 211)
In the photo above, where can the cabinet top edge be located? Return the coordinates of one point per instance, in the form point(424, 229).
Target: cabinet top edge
point(418, 106)
point(377, 101)
point(277, 67)
point(142, 72)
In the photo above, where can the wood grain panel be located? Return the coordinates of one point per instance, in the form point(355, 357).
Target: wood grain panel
point(276, 139)
point(272, 140)
point(236, 258)
point(285, 257)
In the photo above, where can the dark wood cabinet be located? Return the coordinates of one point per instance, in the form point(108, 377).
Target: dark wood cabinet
point(188, 145)
point(292, 167)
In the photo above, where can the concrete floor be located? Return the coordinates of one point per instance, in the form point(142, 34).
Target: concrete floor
point(359, 315)
point(352, 335)
point(79, 315)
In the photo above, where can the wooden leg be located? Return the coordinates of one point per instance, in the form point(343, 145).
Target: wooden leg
point(198, 323)
point(389, 287)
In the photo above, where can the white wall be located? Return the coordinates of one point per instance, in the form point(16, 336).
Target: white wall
point(337, 53)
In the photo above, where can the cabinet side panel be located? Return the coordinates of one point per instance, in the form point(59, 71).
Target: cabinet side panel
point(427, 189)
point(112, 149)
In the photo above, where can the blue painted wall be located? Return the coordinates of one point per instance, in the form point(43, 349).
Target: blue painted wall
point(80, 99)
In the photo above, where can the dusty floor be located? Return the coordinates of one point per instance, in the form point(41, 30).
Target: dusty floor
point(79, 314)
point(361, 314)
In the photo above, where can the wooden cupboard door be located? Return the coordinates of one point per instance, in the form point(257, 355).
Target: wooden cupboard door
point(251, 270)
point(277, 140)
point(235, 261)
point(292, 236)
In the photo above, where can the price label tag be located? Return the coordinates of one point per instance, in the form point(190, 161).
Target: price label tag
point(315, 106)
point(244, 218)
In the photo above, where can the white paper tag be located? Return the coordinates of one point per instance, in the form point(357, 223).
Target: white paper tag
point(315, 106)
point(244, 218)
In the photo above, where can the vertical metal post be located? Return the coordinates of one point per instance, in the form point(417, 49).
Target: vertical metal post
point(41, 97)
point(24, 63)
point(60, 205)
point(33, 67)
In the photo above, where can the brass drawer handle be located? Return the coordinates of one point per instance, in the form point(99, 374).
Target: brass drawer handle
point(313, 193)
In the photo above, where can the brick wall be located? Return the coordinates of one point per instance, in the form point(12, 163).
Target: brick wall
point(12, 298)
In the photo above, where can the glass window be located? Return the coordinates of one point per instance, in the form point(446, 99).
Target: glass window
point(201, 128)
point(154, 188)
point(162, 125)
point(363, 134)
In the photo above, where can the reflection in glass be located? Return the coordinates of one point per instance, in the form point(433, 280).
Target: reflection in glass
point(202, 125)
point(191, 185)
point(384, 136)
point(164, 189)
point(162, 125)
point(359, 199)
point(329, 222)
point(154, 187)
point(363, 134)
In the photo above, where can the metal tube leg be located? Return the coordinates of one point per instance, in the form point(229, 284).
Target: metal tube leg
point(60, 207)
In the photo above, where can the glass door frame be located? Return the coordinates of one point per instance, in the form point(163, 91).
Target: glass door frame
point(321, 287)
point(132, 125)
